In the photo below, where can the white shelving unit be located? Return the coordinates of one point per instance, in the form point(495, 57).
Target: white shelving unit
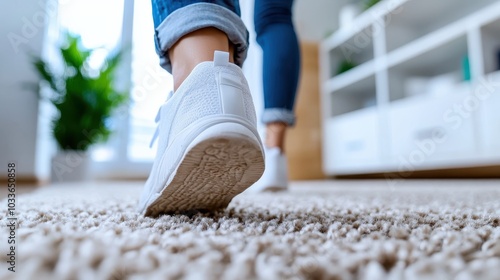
point(390, 113)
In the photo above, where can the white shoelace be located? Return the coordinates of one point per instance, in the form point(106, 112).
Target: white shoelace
point(157, 120)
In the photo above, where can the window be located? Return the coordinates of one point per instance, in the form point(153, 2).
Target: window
point(106, 25)
point(150, 85)
point(101, 29)
point(98, 22)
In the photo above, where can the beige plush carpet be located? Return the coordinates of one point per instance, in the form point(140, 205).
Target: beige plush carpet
point(332, 230)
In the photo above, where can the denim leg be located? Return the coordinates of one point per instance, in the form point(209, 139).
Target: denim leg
point(175, 18)
point(281, 63)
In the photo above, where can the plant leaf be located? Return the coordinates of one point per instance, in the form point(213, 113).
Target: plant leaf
point(74, 55)
point(45, 73)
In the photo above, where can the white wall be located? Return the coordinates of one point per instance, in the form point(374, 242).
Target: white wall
point(21, 33)
point(314, 19)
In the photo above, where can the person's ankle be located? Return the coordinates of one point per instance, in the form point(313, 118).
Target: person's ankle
point(195, 48)
point(275, 135)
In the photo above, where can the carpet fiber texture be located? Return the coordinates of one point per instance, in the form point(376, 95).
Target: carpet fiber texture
point(363, 230)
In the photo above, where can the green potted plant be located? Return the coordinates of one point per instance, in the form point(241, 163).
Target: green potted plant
point(85, 99)
point(367, 4)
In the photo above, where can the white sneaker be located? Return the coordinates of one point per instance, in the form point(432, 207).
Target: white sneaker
point(275, 176)
point(209, 149)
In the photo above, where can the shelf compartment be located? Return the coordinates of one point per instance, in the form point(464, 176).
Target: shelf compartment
point(356, 96)
point(438, 69)
point(356, 50)
point(425, 129)
point(351, 77)
point(351, 141)
point(362, 21)
point(490, 34)
point(415, 19)
point(489, 116)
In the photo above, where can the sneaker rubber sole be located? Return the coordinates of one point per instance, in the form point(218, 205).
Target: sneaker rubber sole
point(221, 162)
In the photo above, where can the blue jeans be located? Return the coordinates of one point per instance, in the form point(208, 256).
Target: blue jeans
point(275, 34)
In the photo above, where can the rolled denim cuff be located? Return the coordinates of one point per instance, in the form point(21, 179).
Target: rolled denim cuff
point(197, 16)
point(278, 115)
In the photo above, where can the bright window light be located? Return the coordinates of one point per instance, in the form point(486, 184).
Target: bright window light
point(99, 23)
point(150, 85)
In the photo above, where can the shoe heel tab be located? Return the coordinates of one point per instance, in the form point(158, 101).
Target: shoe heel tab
point(221, 58)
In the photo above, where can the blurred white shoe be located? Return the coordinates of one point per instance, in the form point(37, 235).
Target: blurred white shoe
point(209, 149)
point(275, 177)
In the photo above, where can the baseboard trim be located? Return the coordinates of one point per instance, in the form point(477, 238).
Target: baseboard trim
point(482, 172)
point(24, 180)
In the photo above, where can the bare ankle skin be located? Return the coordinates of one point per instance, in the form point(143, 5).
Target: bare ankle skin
point(197, 47)
point(275, 135)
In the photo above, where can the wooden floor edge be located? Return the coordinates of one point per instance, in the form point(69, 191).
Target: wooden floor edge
point(24, 180)
point(480, 172)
